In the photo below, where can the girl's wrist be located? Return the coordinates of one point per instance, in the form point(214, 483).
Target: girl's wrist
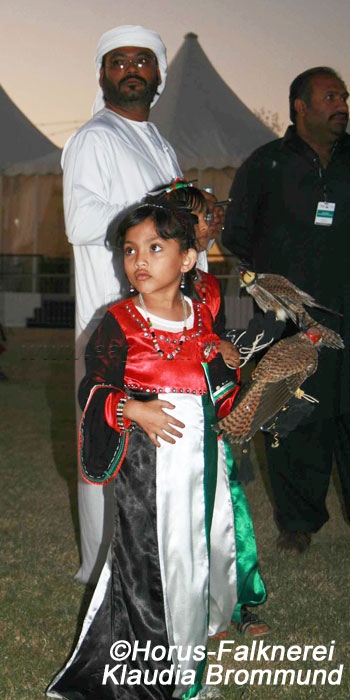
point(124, 424)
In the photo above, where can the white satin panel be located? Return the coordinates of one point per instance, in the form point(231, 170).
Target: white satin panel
point(181, 531)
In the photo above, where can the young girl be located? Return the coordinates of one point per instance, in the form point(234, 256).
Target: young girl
point(177, 572)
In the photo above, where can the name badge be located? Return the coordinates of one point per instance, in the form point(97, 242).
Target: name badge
point(325, 213)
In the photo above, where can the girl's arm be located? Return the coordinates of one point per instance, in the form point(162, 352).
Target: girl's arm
point(103, 436)
point(229, 353)
point(101, 446)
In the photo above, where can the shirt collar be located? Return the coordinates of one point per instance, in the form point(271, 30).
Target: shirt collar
point(292, 141)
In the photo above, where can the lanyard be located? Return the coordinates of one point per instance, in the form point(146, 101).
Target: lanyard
point(321, 173)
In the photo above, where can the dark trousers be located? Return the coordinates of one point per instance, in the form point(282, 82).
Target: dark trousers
point(300, 470)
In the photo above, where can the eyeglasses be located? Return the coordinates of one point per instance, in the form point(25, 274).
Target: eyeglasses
point(123, 63)
point(208, 217)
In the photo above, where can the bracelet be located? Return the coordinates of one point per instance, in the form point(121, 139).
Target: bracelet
point(120, 417)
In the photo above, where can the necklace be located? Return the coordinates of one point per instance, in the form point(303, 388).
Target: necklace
point(179, 344)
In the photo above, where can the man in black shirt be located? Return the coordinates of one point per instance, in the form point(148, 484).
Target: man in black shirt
point(290, 215)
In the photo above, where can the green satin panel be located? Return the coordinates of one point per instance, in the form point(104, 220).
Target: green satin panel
point(197, 685)
point(210, 463)
point(250, 586)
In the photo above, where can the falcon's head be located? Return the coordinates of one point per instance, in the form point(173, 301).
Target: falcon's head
point(247, 277)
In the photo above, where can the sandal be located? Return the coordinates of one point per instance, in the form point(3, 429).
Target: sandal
point(251, 625)
point(293, 542)
point(218, 635)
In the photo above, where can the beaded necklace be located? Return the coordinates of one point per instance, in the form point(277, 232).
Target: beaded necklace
point(179, 344)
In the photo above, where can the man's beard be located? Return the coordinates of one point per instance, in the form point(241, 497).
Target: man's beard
point(114, 95)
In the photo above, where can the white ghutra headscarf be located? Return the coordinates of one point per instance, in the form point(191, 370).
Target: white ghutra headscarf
point(130, 35)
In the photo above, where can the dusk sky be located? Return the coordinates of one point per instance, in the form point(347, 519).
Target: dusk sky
point(258, 46)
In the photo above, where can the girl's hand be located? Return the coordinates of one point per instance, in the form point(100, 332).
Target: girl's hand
point(229, 353)
point(153, 419)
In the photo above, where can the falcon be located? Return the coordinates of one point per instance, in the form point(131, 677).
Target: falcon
point(276, 293)
point(276, 378)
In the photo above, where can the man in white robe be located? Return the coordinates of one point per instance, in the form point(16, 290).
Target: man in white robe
point(109, 164)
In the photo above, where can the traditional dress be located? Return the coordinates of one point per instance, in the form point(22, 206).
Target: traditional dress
point(183, 559)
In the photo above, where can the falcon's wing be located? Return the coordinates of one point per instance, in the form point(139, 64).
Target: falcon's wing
point(275, 379)
point(286, 358)
point(270, 302)
point(259, 402)
point(288, 294)
point(282, 287)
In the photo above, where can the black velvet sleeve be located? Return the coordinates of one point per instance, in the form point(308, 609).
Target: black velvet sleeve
point(105, 358)
point(101, 447)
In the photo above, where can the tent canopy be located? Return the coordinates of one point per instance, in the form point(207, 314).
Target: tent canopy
point(20, 140)
point(31, 211)
point(202, 118)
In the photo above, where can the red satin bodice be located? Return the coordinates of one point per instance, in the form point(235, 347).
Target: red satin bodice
point(146, 370)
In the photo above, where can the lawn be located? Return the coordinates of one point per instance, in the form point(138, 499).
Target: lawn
point(42, 605)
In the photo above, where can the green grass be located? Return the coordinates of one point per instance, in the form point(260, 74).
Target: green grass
point(41, 604)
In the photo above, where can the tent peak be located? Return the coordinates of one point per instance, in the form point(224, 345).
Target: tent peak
point(20, 140)
point(204, 120)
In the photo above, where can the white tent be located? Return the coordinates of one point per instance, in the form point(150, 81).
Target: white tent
point(210, 128)
point(19, 139)
point(31, 219)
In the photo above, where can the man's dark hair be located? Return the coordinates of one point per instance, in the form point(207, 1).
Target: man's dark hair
point(301, 87)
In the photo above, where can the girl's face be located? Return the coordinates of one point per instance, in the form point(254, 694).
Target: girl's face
point(153, 264)
point(202, 230)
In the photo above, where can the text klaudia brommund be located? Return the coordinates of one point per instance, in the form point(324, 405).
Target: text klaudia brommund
point(218, 673)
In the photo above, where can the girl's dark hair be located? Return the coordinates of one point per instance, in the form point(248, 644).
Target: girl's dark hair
point(179, 194)
point(169, 223)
